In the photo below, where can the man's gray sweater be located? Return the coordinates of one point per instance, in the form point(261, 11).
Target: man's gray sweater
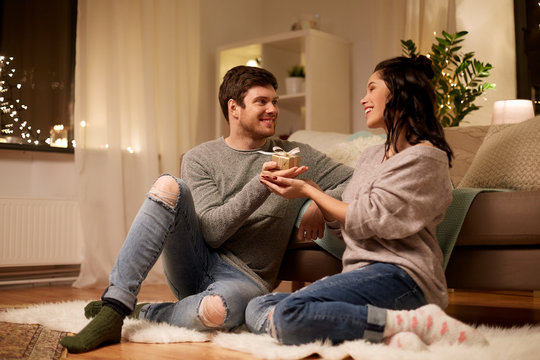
point(238, 215)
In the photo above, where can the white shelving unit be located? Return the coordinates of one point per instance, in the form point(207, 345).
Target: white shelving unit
point(326, 103)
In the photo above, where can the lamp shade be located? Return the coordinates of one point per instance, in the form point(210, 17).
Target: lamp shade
point(512, 111)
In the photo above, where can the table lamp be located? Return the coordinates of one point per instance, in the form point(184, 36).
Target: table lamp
point(512, 111)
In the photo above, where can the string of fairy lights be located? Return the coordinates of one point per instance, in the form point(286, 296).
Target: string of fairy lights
point(11, 108)
point(13, 127)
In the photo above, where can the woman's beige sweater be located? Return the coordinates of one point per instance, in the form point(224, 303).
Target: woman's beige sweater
point(394, 208)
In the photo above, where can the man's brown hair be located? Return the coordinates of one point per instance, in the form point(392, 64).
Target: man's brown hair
point(238, 80)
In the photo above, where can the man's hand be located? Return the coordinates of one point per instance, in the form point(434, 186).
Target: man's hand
point(312, 224)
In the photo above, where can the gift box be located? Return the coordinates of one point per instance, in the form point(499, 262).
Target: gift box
point(286, 161)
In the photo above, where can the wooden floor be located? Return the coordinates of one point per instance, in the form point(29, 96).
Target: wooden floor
point(492, 308)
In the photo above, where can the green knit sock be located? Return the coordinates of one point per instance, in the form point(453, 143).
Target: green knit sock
point(94, 307)
point(105, 328)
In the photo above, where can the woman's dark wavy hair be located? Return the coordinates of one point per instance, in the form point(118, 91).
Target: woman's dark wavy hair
point(411, 103)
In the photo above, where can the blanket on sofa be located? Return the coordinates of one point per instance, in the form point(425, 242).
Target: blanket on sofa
point(448, 229)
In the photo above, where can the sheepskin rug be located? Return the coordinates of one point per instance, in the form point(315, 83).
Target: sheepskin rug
point(517, 343)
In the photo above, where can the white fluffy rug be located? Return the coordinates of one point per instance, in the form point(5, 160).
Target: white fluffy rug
point(69, 316)
point(518, 343)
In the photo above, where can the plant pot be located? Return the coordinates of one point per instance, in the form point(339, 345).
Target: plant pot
point(294, 85)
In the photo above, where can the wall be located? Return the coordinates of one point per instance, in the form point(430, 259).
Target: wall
point(222, 22)
point(374, 32)
point(44, 176)
point(367, 25)
point(353, 20)
point(491, 37)
point(29, 174)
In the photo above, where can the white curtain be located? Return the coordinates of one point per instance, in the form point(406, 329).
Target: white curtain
point(423, 18)
point(136, 86)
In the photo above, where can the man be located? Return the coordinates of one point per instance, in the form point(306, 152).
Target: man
point(222, 233)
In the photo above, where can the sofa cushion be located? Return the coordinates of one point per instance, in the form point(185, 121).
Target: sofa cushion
point(320, 140)
point(344, 148)
point(509, 158)
point(464, 141)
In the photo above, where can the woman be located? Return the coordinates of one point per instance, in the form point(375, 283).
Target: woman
point(392, 281)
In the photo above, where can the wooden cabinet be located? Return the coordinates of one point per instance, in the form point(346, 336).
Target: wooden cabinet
point(325, 105)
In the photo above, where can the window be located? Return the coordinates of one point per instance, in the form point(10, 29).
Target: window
point(37, 67)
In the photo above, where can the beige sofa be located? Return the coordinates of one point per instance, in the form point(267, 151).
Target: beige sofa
point(498, 245)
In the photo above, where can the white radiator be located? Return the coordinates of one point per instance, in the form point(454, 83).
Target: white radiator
point(37, 232)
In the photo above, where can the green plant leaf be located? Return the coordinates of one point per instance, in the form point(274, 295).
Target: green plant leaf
point(408, 47)
point(445, 42)
point(297, 71)
point(462, 82)
point(440, 49)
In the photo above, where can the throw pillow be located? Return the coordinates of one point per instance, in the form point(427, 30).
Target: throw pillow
point(349, 152)
point(509, 158)
point(465, 142)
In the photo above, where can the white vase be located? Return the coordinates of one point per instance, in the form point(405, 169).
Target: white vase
point(294, 85)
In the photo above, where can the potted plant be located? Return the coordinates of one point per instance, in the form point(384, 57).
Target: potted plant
point(294, 83)
point(459, 78)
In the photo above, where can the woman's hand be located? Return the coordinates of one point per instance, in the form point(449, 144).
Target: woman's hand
point(270, 169)
point(331, 208)
point(286, 187)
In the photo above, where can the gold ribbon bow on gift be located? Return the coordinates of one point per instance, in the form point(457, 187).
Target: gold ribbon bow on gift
point(284, 159)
